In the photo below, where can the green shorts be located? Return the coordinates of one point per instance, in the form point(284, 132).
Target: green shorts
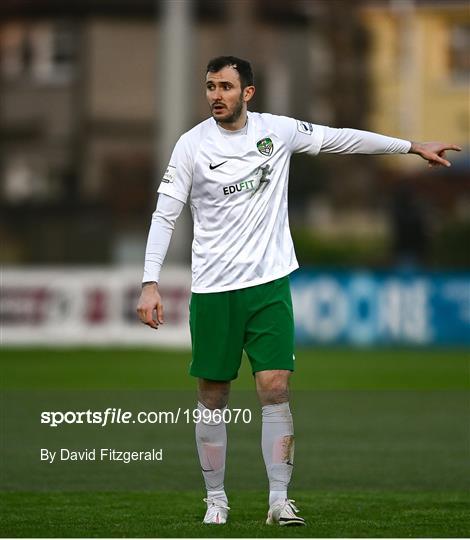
point(257, 319)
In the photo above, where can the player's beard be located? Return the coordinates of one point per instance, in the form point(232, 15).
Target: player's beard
point(237, 111)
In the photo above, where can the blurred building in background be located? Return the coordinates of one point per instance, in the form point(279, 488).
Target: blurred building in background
point(84, 114)
point(419, 69)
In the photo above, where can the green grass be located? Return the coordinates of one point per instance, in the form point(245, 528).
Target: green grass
point(176, 514)
point(319, 369)
point(382, 446)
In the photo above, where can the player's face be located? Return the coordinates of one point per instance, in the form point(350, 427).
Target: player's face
point(225, 96)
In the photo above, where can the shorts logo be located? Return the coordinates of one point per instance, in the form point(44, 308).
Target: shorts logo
point(169, 176)
point(304, 127)
point(265, 146)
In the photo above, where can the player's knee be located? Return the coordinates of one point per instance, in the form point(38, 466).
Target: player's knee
point(273, 389)
point(213, 395)
point(212, 401)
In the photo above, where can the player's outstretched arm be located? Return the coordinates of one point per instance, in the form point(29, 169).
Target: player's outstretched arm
point(433, 152)
point(355, 141)
point(150, 301)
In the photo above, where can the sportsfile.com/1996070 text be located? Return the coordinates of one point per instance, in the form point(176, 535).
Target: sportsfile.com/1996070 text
point(113, 415)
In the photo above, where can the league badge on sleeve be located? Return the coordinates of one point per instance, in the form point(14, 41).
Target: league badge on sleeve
point(169, 176)
point(265, 146)
point(304, 127)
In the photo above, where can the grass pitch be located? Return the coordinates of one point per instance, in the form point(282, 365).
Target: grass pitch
point(382, 447)
point(176, 514)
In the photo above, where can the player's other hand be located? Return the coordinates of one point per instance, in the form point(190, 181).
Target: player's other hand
point(433, 152)
point(150, 303)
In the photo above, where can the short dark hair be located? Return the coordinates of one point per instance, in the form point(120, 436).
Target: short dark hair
point(242, 66)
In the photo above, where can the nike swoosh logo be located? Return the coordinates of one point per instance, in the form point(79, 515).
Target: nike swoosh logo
point(212, 167)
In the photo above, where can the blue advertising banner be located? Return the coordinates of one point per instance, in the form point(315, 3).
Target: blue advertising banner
point(370, 308)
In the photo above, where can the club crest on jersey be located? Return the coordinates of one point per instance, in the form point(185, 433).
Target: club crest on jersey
point(265, 146)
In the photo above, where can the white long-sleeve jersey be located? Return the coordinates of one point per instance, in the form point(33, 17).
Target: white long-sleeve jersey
point(236, 183)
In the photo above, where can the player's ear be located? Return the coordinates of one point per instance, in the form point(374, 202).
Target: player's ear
point(248, 93)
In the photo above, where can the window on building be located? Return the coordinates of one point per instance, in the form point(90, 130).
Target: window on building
point(42, 52)
point(459, 52)
point(33, 178)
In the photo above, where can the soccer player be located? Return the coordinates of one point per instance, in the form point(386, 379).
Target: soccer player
point(234, 168)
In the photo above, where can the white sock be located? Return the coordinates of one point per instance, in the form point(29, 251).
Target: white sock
point(217, 495)
point(275, 496)
point(211, 441)
point(277, 441)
